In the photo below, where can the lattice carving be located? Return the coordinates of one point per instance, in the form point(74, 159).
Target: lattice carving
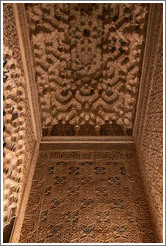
point(87, 197)
point(87, 62)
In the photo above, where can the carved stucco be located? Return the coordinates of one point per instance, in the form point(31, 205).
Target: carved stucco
point(13, 133)
point(18, 132)
point(87, 63)
point(148, 143)
point(87, 195)
point(148, 132)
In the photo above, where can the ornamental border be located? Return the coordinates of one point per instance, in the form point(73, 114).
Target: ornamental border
point(28, 65)
point(87, 139)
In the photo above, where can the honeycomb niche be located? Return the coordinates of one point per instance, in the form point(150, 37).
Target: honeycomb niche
point(87, 65)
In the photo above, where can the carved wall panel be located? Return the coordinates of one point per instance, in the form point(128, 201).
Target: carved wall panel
point(148, 132)
point(87, 196)
point(87, 62)
point(18, 134)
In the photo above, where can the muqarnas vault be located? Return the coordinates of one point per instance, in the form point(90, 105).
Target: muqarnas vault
point(82, 122)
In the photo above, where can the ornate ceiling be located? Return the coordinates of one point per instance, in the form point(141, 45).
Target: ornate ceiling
point(87, 60)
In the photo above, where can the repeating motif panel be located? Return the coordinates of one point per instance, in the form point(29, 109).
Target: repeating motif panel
point(87, 200)
point(148, 134)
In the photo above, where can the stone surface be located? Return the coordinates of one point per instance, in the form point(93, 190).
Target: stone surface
point(88, 63)
point(148, 133)
point(87, 196)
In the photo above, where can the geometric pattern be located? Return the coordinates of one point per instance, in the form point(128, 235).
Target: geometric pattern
point(87, 197)
point(148, 135)
point(87, 64)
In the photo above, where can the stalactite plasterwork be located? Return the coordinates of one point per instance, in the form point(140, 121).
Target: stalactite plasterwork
point(87, 62)
point(18, 133)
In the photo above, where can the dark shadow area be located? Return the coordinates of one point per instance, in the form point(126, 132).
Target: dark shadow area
point(7, 230)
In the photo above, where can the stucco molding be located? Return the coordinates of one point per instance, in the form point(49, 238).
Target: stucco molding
point(145, 62)
point(26, 55)
point(22, 208)
point(87, 139)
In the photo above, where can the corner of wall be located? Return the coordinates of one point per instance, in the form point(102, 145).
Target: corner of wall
point(148, 128)
point(21, 116)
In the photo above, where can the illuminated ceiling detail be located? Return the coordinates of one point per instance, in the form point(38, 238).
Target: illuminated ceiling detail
point(87, 63)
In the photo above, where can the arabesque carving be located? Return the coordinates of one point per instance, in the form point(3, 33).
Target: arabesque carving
point(93, 200)
point(148, 129)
